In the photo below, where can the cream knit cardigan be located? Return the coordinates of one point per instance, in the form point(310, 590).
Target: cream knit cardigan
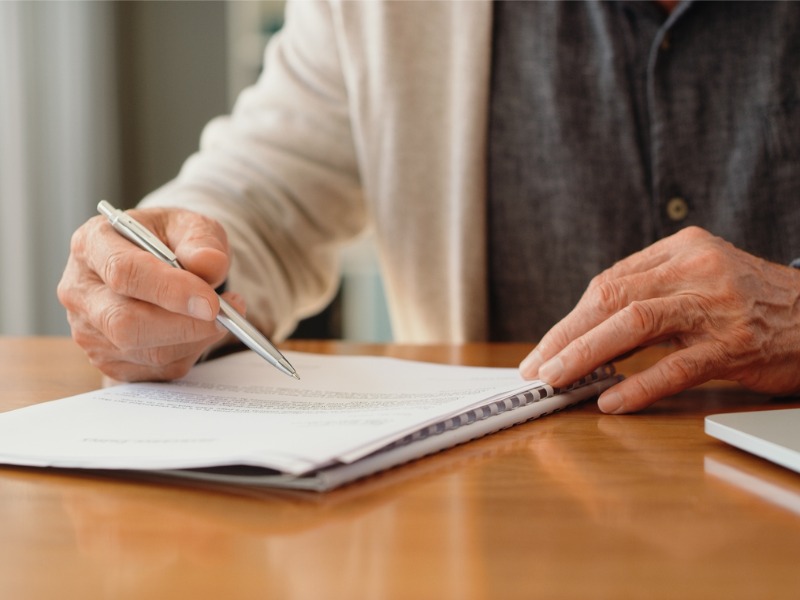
point(369, 114)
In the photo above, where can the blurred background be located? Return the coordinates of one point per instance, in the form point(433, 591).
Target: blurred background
point(106, 100)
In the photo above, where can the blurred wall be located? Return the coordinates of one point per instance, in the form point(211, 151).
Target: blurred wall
point(172, 66)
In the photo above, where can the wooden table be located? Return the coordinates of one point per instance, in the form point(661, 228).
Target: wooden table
point(576, 505)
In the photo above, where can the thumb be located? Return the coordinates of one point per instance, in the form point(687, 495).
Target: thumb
point(201, 245)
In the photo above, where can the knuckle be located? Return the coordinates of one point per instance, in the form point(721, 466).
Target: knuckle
point(100, 360)
point(115, 369)
point(712, 260)
point(98, 351)
point(207, 226)
point(695, 260)
point(582, 349)
point(177, 369)
point(69, 289)
point(77, 241)
point(641, 316)
point(161, 291)
point(681, 368)
point(556, 339)
point(693, 233)
point(120, 326)
point(216, 229)
point(95, 347)
point(746, 339)
point(642, 388)
point(691, 368)
point(81, 241)
point(596, 282)
point(84, 338)
point(70, 297)
point(119, 271)
point(168, 362)
point(64, 294)
point(608, 297)
point(157, 356)
point(695, 236)
point(202, 231)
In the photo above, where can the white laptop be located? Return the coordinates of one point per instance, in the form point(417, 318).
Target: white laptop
point(770, 434)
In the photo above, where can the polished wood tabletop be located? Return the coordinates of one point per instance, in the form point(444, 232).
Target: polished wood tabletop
point(575, 505)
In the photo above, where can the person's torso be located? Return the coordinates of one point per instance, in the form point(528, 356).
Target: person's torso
point(612, 125)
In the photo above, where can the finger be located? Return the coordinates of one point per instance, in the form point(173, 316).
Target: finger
point(603, 299)
point(76, 285)
point(162, 362)
point(131, 324)
point(153, 363)
point(640, 323)
point(658, 253)
point(658, 270)
point(200, 243)
point(672, 374)
point(122, 368)
point(236, 301)
point(133, 272)
point(639, 262)
point(96, 342)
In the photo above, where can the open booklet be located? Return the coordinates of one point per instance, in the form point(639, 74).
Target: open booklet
point(237, 420)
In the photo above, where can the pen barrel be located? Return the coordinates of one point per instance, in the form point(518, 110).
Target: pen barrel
point(234, 322)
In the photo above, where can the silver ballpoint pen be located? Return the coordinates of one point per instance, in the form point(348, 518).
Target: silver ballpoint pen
point(228, 317)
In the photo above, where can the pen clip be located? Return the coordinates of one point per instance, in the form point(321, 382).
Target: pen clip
point(138, 234)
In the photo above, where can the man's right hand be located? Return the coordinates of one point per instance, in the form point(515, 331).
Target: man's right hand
point(136, 317)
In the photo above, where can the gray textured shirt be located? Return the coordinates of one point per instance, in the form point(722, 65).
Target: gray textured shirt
point(613, 125)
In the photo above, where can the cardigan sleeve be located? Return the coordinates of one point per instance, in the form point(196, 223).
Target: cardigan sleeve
point(280, 174)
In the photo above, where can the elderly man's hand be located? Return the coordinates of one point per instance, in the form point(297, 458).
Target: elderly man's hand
point(135, 316)
point(733, 316)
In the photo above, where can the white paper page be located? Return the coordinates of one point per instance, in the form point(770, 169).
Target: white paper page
point(239, 410)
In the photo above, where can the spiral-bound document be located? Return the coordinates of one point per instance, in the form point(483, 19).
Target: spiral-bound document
point(234, 421)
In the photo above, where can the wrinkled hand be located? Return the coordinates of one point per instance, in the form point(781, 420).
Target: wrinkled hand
point(732, 316)
point(135, 316)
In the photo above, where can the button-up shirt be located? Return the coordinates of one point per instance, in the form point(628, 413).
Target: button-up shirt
point(614, 124)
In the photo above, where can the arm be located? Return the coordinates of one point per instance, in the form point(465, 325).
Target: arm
point(281, 175)
point(264, 204)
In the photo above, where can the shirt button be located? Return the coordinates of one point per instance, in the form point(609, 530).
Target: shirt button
point(677, 209)
point(665, 42)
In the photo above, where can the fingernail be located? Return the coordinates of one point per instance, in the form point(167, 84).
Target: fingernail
point(610, 403)
point(200, 308)
point(530, 363)
point(551, 370)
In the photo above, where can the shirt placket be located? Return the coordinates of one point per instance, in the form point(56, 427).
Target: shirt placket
point(671, 194)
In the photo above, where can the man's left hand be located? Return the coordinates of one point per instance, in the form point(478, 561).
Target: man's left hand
point(732, 316)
